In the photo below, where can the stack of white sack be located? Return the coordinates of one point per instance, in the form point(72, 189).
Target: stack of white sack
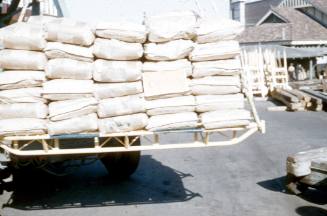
point(216, 81)
point(165, 71)
point(22, 108)
point(72, 107)
point(118, 77)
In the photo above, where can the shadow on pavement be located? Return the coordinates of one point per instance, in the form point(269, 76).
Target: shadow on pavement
point(153, 182)
point(311, 211)
point(276, 185)
point(312, 195)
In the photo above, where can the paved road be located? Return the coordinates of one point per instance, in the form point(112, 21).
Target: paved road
point(246, 179)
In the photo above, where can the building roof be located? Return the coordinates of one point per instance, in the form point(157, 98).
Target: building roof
point(254, 11)
point(319, 4)
point(297, 27)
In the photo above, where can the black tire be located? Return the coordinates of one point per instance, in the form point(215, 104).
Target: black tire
point(121, 165)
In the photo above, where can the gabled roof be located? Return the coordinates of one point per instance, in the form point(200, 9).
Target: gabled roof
point(254, 11)
point(319, 4)
point(298, 27)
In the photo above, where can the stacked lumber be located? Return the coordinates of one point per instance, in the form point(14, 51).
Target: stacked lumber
point(22, 108)
point(296, 100)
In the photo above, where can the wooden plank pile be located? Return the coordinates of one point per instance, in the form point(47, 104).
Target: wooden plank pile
point(296, 100)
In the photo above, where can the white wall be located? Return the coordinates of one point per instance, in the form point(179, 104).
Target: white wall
point(133, 10)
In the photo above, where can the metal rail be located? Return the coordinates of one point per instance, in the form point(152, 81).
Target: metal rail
point(50, 145)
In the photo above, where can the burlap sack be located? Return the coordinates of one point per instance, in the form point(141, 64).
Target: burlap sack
point(69, 31)
point(171, 26)
point(124, 31)
point(215, 51)
point(64, 68)
point(66, 89)
point(228, 67)
point(225, 115)
point(214, 29)
point(60, 50)
point(167, 66)
point(121, 106)
point(226, 124)
point(23, 110)
point(41, 19)
point(170, 105)
point(22, 95)
point(117, 71)
point(22, 60)
point(216, 85)
point(24, 36)
point(82, 124)
point(173, 121)
point(110, 90)
point(207, 103)
point(66, 109)
point(124, 123)
point(117, 50)
point(172, 50)
point(22, 127)
point(21, 79)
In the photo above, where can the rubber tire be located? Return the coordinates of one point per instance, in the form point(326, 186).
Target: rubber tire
point(121, 165)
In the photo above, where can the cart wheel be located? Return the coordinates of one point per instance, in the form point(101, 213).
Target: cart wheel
point(120, 165)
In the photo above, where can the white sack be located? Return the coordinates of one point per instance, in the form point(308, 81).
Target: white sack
point(66, 109)
point(167, 66)
point(22, 127)
point(171, 26)
point(41, 19)
point(206, 103)
point(214, 90)
point(69, 31)
point(172, 50)
point(64, 68)
point(22, 95)
point(170, 105)
point(228, 67)
point(121, 106)
point(117, 71)
point(23, 110)
point(225, 118)
point(173, 121)
point(123, 123)
point(65, 89)
point(110, 90)
point(124, 31)
point(82, 124)
point(60, 50)
point(215, 85)
point(226, 124)
point(117, 50)
point(21, 79)
point(216, 29)
point(225, 115)
point(165, 84)
point(22, 60)
point(24, 36)
point(215, 51)
point(217, 81)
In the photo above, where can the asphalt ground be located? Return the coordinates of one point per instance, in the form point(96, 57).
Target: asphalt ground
point(246, 179)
